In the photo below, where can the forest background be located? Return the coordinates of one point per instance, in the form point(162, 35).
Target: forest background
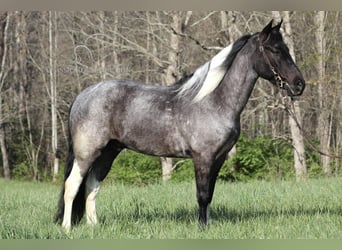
point(48, 57)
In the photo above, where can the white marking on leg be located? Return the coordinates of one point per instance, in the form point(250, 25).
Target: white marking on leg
point(71, 187)
point(92, 188)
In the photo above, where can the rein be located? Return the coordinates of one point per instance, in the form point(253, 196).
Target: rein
point(289, 107)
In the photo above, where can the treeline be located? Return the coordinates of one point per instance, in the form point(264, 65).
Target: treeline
point(47, 58)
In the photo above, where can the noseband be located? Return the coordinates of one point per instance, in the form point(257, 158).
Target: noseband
point(281, 83)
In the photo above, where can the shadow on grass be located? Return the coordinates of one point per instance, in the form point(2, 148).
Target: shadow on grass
point(223, 213)
point(218, 213)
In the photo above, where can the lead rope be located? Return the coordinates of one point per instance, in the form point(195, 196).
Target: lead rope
point(289, 107)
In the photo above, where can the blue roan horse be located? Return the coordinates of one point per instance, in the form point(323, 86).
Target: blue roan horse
point(197, 118)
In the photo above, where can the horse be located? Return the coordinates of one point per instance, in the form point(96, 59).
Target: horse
point(198, 118)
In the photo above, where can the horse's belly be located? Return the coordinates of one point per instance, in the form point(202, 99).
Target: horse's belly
point(165, 143)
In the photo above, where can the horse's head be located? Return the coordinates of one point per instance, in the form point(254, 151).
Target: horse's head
point(274, 63)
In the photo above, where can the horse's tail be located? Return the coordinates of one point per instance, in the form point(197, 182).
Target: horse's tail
point(78, 206)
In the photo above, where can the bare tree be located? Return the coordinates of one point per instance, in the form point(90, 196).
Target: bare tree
point(296, 135)
point(4, 24)
point(20, 78)
point(53, 91)
point(323, 125)
point(170, 77)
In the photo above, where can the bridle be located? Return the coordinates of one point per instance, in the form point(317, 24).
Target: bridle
point(288, 104)
point(280, 81)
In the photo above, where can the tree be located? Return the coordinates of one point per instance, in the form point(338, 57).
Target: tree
point(53, 90)
point(323, 126)
point(4, 24)
point(296, 134)
point(171, 76)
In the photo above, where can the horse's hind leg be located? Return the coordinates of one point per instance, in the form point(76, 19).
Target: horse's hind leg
point(98, 172)
point(85, 151)
point(72, 185)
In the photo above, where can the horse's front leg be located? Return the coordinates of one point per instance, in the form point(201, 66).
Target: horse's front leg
point(206, 171)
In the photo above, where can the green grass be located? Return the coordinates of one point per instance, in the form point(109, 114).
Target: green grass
point(273, 210)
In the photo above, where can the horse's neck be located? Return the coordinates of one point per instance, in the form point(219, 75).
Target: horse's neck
point(237, 85)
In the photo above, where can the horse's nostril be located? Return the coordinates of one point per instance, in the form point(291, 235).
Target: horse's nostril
point(299, 85)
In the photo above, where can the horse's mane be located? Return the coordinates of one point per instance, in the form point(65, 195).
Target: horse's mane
point(207, 77)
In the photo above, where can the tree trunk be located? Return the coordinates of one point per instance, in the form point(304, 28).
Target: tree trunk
point(166, 168)
point(53, 91)
point(170, 77)
point(117, 69)
point(102, 56)
point(298, 143)
point(296, 135)
point(148, 47)
point(233, 30)
point(323, 116)
point(3, 145)
point(20, 78)
point(4, 19)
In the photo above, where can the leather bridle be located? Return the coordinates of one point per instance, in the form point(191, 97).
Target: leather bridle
point(280, 81)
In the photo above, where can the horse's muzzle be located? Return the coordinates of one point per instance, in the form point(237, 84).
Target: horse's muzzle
point(297, 88)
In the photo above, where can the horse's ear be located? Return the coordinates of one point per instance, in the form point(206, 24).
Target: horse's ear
point(277, 27)
point(263, 35)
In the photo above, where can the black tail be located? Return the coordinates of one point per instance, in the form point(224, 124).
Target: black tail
point(78, 206)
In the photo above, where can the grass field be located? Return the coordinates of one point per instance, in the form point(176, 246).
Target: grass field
point(256, 210)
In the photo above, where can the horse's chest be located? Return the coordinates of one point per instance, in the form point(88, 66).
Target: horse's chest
point(213, 135)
